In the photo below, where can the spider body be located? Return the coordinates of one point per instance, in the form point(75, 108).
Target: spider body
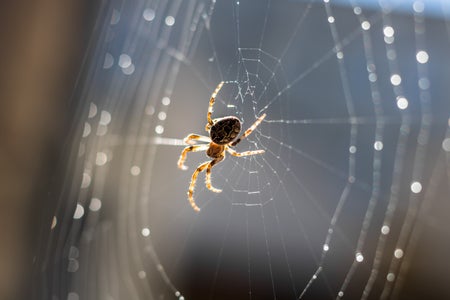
point(225, 130)
point(215, 150)
point(223, 134)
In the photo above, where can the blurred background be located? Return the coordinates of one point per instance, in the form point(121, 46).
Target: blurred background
point(42, 47)
point(349, 200)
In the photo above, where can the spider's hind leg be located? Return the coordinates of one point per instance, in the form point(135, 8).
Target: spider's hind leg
point(208, 174)
point(194, 148)
point(192, 185)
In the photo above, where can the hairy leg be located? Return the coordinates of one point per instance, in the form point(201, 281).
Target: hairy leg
point(192, 185)
point(250, 130)
point(193, 148)
point(246, 153)
point(211, 104)
point(208, 174)
point(192, 138)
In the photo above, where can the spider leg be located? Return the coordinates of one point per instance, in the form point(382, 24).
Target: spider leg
point(193, 148)
point(211, 104)
point(191, 138)
point(248, 131)
point(208, 174)
point(246, 153)
point(192, 185)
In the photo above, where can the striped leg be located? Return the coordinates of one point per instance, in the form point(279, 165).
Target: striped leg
point(246, 153)
point(208, 174)
point(192, 185)
point(191, 138)
point(193, 148)
point(211, 104)
point(250, 130)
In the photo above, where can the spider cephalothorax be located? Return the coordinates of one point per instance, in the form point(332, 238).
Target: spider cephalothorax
point(223, 134)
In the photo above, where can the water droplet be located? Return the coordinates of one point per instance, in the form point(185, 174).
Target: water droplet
point(124, 61)
point(145, 231)
point(101, 158)
point(365, 25)
point(109, 61)
point(142, 274)
point(418, 6)
point(73, 265)
point(391, 54)
point(446, 144)
point(416, 187)
point(402, 103)
point(86, 181)
point(165, 101)
point(87, 129)
point(378, 145)
point(424, 83)
point(128, 70)
point(169, 21)
point(396, 79)
point(92, 110)
point(389, 39)
point(359, 257)
point(95, 204)
point(79, 212)
point(388, 31)
point(74, 252)
point(148, 14)
point(54, 222)
point(159, 129)
point(422, 57)
point(135, 170)
point(398, 253)
point(105, 117)
point(162, 116)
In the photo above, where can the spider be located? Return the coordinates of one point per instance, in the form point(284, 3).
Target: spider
point(223, 134)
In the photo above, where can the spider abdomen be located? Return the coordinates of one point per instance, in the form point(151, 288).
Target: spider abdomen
point(225, 130)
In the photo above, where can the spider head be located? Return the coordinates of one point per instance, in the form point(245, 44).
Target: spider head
point(225, 130)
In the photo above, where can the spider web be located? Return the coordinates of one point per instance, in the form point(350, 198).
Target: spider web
point(348, 200)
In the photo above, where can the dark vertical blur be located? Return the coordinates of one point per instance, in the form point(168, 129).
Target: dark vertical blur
point(41, 50)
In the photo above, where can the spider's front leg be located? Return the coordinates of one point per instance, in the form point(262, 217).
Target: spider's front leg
point(245, 153)
point(211, 104)
point(192, 138)
point(248, 131)
point(193, 148)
